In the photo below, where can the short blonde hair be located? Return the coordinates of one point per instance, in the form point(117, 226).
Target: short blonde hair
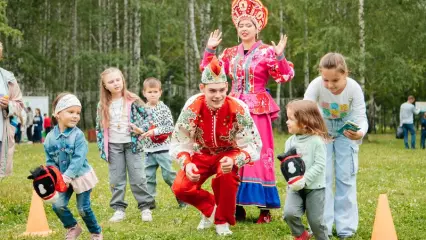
point(151, 82)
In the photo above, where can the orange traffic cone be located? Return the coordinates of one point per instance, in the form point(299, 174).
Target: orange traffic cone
point(383, 223)
point(37, 221)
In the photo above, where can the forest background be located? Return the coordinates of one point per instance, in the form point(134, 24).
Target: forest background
point(56, 45)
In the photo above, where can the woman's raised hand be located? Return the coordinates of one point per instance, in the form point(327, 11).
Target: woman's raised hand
point(279, 49)
point(214, 39)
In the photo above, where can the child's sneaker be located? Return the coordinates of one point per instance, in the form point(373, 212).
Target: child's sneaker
point(223, 229)
point(118, 216)
point(96, 236)
point(305, 236)
point(146, 215)
point(206, 222)
point(73, 233)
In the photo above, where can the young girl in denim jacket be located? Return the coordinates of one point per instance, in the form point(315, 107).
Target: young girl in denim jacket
point(119, 110)
point(66, 148)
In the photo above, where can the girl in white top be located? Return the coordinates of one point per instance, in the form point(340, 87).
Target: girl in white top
point(119, 113)
point(340, 99)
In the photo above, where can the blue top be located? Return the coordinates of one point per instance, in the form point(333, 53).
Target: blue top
point(67, 151)
point(423, 124)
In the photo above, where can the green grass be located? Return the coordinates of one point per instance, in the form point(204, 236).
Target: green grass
point(385, 167)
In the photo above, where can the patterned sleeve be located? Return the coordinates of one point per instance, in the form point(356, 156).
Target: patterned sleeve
point(279, 68)
point(182, 141)
point(247, 139)
point(208, 55)
point(145, 116)
point(99, 132)
point(165, 125)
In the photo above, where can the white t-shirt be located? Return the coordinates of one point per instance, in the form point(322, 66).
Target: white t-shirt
point(348, 105)
point(119, 129)
point(406, 113)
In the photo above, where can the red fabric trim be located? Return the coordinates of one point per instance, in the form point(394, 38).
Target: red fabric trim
point(292, 156)
point(295, 179)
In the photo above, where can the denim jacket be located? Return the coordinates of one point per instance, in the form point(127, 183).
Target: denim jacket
point(139, 116)
point(67, 151)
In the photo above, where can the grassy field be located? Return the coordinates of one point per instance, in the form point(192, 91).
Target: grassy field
point(385, 167)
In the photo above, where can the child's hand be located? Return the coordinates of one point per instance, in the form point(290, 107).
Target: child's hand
point(191, 171)
point(298, 185)
point(67, 180)
point(226, 164)
point(148, 134)
point(353, 135)
point(135, 129)
point(4, 101)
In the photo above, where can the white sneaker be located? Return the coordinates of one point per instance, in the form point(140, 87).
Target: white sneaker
point(118, 216)
point(223, 229)
point(146, 215)
point(206, 222)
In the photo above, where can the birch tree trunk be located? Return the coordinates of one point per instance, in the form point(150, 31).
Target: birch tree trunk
point(125, 36)
point(278, 97)
point(117, 26)
point(193, 31)
point(100, 29)
point(137, 48)
point(74, 42)
point(186, 51)
point(305, 44)
point(361, 44)
point(220, 19)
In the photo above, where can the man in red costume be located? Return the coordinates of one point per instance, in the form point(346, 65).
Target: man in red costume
point(213, 135)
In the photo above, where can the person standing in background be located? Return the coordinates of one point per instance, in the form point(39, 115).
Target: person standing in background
point(10, 103)
point(38, 126)
point(47, 123)
point(406, 121)
point(30, 119)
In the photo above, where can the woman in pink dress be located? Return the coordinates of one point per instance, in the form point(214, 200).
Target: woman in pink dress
point(249, 65)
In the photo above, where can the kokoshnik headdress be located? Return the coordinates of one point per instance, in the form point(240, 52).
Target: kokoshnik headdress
point(250, 9)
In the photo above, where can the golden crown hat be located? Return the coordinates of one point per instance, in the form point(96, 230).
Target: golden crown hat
point(249, 9)
point(213, 73)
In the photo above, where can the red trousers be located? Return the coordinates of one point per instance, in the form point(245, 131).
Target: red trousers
point(224, 185)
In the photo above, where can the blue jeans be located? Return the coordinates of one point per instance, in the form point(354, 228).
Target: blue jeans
point(409, 127)
point(341, 207)
point(152, 162)
point(60, 207)
point(422, 139)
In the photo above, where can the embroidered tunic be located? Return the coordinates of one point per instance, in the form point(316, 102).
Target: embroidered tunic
point(204, 131)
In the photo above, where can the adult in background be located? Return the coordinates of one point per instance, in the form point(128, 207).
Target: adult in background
point(249, 65)
point(30, 119)
point(406, 121)
point(10, 104)
point(38, 126)
point(47, 123)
